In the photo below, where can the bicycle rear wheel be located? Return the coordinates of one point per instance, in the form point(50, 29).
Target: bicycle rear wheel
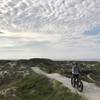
point(72, 82)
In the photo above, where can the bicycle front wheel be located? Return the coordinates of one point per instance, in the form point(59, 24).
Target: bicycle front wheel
point(80, 86)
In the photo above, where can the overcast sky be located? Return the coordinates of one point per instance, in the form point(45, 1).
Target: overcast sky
point(57, 29)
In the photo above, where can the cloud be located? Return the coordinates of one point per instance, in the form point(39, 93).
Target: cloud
point(13, 40)
point(93, 31)
point(29, 15)
point(55, 24)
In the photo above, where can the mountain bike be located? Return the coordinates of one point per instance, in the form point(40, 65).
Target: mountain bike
point(77, 83)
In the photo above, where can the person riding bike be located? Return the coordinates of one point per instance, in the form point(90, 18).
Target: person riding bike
point(76, 71)
point(75, 80)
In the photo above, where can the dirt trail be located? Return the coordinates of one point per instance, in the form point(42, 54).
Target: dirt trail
point(90, 90)
point(90, 78)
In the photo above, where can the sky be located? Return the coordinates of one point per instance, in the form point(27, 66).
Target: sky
point(56, 29)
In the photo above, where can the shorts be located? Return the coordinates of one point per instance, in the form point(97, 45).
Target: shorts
point(76, 76)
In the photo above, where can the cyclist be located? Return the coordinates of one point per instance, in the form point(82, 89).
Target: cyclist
point(75, 80)
point(75, 70)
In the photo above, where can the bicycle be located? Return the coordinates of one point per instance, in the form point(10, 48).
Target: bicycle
point(77, 83)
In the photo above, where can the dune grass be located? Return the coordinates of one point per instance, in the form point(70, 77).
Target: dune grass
point(39, 87)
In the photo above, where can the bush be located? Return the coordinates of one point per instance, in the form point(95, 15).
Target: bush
point(39, 87)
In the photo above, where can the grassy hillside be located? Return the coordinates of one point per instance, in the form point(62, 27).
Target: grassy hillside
point(95, 74)
point(18, 82)
point(38, 87)
point(12, 70)
point(90, 69)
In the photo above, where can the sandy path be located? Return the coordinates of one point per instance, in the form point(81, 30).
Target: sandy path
point(90, 78)
point(90, 90)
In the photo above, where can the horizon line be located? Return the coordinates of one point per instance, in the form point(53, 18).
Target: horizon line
point(55, 59)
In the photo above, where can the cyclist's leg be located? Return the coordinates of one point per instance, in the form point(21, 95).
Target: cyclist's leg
point(74, 79)
point(72, 75)
point(77, 79)
point(77, 76)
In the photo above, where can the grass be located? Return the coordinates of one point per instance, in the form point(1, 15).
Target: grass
point(39, 87)
point(89, 68)
point(95, 75)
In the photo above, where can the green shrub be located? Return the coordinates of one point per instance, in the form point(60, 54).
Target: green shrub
point(39, 87)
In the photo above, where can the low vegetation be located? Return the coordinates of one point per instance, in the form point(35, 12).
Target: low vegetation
point(38, 87)
point(90, 69)
point(18, 82)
